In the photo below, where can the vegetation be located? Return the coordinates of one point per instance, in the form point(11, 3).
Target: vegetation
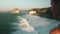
point(40, 10)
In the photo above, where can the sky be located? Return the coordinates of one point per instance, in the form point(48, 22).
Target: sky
point(23, 4)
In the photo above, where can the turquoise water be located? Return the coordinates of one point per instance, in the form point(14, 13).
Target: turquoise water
point(25, 24)
point(42, 25)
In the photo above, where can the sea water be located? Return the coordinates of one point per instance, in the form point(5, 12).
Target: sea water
point(27, 24)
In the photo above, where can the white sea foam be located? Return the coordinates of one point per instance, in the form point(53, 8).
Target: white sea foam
point(30, 24)
point(24, 26)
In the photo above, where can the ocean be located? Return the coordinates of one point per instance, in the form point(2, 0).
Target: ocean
point(25, 23)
